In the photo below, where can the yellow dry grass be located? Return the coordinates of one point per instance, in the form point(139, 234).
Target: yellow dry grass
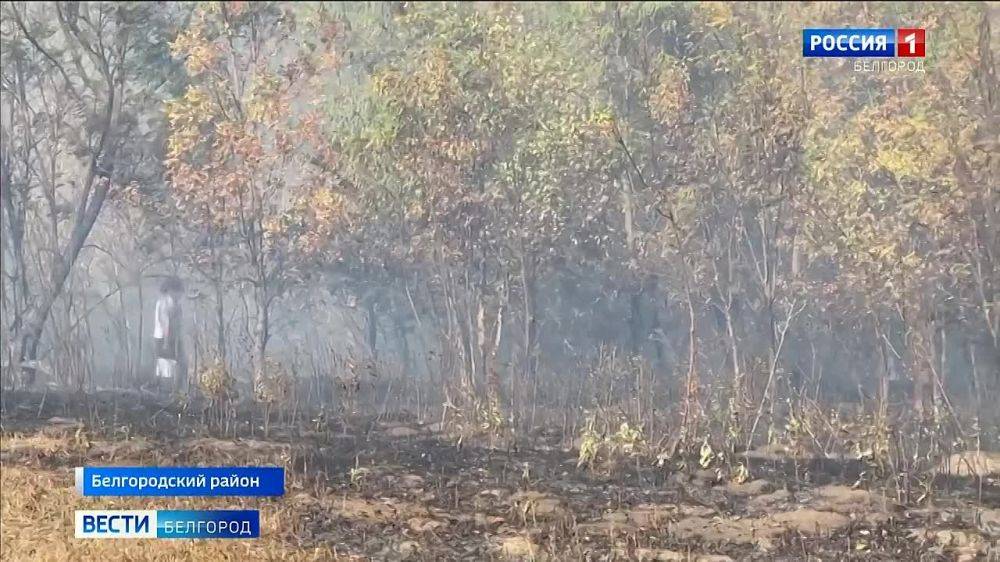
point(972, 463)
point(36, 518)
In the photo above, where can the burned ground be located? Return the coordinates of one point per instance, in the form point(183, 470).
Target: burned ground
point(394, 488)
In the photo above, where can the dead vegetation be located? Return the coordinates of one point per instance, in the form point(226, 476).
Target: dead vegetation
point(402, 490)
point(622, 281)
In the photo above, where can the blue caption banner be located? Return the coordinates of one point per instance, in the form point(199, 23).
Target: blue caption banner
point(180, 481)
point(221, 524)
point(167, 524)
point(848, 43)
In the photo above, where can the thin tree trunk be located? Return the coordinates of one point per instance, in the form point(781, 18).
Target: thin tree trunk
point(220, 322)
point(692, 369)
point(90, 208)
point(528, 290)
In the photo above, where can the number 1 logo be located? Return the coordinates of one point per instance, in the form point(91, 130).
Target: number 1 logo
point(910, 42)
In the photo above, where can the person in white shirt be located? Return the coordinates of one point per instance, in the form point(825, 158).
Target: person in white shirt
point(167, 333)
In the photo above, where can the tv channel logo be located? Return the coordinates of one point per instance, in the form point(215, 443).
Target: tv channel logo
point(864, 43)
point(168, 524)
point(119, 524)
point(911, 42)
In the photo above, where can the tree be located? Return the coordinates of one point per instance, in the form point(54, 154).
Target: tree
point(246, 161)
point(482, 147)
point(77, 95)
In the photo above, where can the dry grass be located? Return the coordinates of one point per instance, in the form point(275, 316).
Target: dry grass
point(37, 505)
point(407, 495)
point(37, 524)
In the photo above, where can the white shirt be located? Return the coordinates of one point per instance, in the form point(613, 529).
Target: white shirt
point(161, 320)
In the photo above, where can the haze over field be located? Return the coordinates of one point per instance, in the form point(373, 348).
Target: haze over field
point(623, 242)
